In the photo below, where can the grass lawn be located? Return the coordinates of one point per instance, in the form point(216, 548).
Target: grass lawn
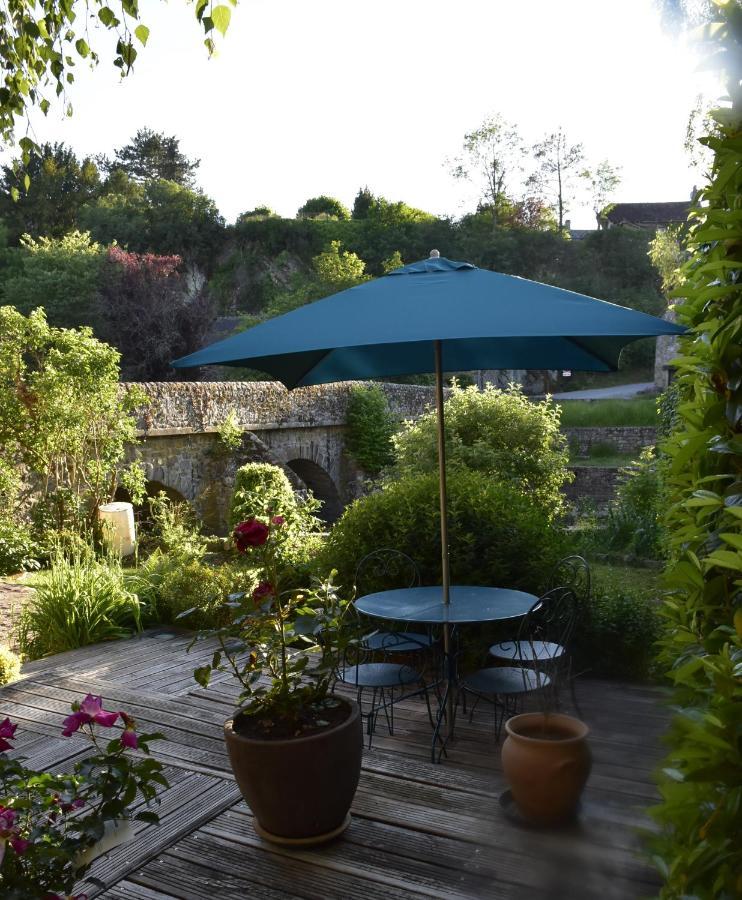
point(614, 459)
point(613, 577)
point(597, 413)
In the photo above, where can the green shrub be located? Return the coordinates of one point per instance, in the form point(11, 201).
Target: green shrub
point(370, 428)
point(10, 665)
point(263, 490)
point(169, 584)
point(616, 637)
point(18, 550)
point(173, 527)
point(497, 536)
point(500, 433)
point(635, 516)
point(81, 600)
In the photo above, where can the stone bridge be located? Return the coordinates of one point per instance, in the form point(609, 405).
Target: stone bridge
point(303, 431)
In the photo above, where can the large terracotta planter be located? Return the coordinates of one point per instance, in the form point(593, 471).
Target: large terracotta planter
point(300, 790)
point(546, 761)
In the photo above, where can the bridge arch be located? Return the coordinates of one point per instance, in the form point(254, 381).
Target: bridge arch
point(318, 481)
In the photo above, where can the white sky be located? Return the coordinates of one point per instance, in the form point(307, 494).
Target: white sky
point(325, 96)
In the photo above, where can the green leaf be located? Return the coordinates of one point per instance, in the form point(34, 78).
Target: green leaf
point(142, 33)
point(107, 17)
point(82, 47)
point(220, 16)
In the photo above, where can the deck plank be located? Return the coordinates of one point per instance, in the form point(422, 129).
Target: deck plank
point(419, 829)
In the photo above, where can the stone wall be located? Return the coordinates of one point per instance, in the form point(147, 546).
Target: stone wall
point(623, 439)
point(596, 484)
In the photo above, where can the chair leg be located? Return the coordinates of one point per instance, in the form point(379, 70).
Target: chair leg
point(427, 703)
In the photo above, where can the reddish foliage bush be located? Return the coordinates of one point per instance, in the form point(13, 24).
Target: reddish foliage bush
point(153, 311)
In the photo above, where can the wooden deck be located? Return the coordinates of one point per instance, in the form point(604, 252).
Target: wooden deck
point(419, 830)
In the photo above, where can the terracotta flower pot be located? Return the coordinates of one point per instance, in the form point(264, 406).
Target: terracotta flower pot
point(300, 790)
point(546, 761)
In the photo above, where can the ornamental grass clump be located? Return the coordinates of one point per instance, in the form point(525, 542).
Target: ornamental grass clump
point(283, 644)
point(81, 600)
point(50, 824)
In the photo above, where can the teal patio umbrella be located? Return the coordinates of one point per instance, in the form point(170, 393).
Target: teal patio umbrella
point(436, 315)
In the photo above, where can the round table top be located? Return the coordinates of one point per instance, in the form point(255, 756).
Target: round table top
point(425, 604)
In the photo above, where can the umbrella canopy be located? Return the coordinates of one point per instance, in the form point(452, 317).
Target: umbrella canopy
point(483, 319)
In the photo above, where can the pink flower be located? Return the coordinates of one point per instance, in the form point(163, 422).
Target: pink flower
point(20, 845)
point(7, 730)
point(93, 707)
point(73, 723)
point(7, 822)
point(278, 520)
point(129, 739)
point(90, 710)
point(251, 533)
point(264, 589)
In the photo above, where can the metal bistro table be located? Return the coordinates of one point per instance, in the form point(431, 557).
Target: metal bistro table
point(468, 606)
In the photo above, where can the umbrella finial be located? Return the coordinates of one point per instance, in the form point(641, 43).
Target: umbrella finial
point(435, 254)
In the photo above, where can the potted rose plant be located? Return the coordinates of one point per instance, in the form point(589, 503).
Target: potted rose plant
point(52, 826)
point(295, 748)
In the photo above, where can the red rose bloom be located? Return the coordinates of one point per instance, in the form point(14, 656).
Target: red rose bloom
point(264, 589)
point(251, 533)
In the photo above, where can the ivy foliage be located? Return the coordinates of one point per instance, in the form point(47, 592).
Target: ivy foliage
point(699, 851)
point(371, 427)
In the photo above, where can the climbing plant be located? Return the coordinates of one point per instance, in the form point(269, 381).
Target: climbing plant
point(698, 850)
point(371, 426)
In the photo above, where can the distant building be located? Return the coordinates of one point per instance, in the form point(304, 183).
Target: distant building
point(644, 216)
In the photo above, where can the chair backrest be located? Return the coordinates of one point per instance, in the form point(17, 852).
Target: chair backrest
point(573, 572)
point(384, 570)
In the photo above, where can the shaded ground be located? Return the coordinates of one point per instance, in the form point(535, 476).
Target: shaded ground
point(12, 597)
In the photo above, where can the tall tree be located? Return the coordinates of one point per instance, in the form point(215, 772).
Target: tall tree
point(363, 203)
point(59, 184)
point(602, 182)
point(492, 159)
point(558, 165)
point(152, 155)
point(324, 207)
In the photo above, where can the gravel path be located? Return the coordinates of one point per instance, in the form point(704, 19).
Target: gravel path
point(617, 392)
point(12, 597)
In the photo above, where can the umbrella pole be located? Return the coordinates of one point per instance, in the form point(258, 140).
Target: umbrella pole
point(446, 575)
point(442, 474)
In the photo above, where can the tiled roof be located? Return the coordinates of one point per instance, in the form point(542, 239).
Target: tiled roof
point(648, 213)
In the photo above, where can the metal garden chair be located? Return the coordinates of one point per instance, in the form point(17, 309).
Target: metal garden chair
point(373, 662)
point(571, 573)
point(537, 659)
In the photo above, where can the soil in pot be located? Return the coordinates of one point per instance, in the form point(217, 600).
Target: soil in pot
point(546, 761)
point(312, 719)
point(300, 786)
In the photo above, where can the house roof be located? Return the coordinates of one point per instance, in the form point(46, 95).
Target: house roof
point(648, 214)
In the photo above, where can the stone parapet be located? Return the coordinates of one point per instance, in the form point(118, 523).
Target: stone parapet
point(178, 407)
